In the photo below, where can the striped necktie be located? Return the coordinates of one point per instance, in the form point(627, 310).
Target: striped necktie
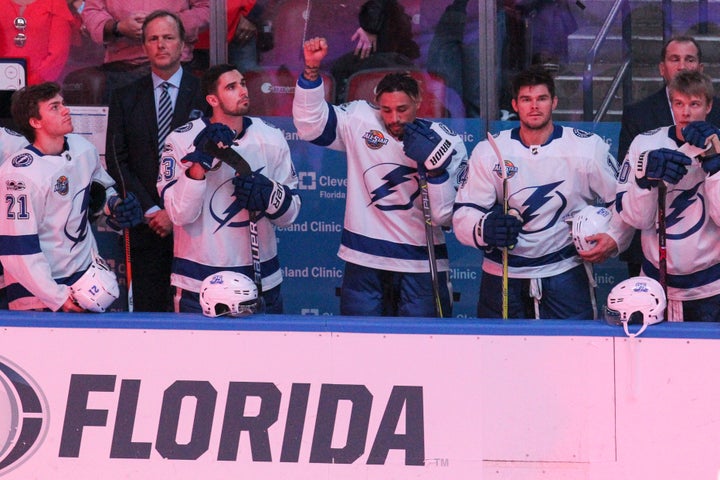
point(164, 116)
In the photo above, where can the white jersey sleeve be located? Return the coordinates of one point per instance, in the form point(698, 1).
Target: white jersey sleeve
point(211, 232)
point(692, 212)
point(46, 235)
point(384, 227)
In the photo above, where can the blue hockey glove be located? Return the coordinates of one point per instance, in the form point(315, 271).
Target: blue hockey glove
point(697, 133)
point(498, 229)
point(426, 147)
point(663, 164)
point(215, 133)
point(123, 213)
point(710, 165)
point(258, 193)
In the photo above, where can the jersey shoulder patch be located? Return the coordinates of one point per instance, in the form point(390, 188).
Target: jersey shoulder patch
point(652, 132)
point(582, 133)
point(24, 159)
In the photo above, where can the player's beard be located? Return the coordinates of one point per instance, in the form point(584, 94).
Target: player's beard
point(237, 110)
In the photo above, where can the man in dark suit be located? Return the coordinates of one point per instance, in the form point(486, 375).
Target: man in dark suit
point(133, 151)
point(679, 53)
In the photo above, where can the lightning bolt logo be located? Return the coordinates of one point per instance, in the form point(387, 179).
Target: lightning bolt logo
point(388, 186)
point(535, 205)
point(78, 233)
point(681, 208)
point(228, 212)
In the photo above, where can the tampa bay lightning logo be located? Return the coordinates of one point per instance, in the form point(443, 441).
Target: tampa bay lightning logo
point(184, 128)
point(12, 132)
point(223, 211)
point(543, 206)
point(391, 186)
point(76, 226)
point(23, 416)
point(582, 133)
point(22, 160)
point(686, 213)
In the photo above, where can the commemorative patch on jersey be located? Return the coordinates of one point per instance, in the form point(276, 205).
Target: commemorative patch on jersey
point(374, 139)
point(510, 168)
point(62, 185)
point(22, 160)
point(652, 132)
point(582, 133)
point(14, 185)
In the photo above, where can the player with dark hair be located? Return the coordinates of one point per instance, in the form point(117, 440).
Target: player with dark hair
point(553, 172)
point(10, 142)
point(389, 255)
point(210, 206)
point(46, 243)
point(691, 207)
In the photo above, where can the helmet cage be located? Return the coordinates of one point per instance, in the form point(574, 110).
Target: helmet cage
point(636, 300)
point(228, 293)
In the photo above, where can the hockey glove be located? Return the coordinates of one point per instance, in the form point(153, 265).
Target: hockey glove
point(498, 229)
point(697, 133)
point(710, 165)
point(663, 164)
point(215, 133)
point(258, 193)
point(123, 213)
point(427, 148)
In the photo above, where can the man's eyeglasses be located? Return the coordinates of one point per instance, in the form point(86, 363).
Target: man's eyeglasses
point(20, 24)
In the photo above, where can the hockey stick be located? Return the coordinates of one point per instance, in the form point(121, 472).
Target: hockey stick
point(126, 235)
point(233, 159)
point(505, 259)
point(430, 239)
point(662, 238)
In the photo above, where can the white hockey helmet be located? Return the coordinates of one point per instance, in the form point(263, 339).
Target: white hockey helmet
point(228, 293)
point(589, 221)
point(97, 288)
point(641, 295)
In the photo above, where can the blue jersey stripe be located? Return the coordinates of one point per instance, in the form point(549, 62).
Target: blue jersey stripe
point(19, 244)
point(328, 135)
point(516, 261)
point(384, 248)
point(200, 272)
point(687, 281)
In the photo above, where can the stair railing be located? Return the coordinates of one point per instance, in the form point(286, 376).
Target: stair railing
point(624, 75)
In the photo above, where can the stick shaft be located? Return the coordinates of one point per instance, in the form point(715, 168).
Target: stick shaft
point(505, 256)
point(662, 237)
point(430, 240)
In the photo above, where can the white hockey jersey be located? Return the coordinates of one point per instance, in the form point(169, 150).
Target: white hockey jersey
point(10, 142)
point(546, 184)
point(692, 216)
point(211, 233)
point(45, 234)
point(384, 227)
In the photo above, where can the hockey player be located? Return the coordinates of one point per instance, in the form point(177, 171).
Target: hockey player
point(10, 142)
point(692, 203)
point(209, 205)
point(553, 172)
point(384, 243)
point(46, 243)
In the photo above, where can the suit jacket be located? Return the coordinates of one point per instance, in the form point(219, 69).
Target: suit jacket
point(132, 147)
point(650, 113)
